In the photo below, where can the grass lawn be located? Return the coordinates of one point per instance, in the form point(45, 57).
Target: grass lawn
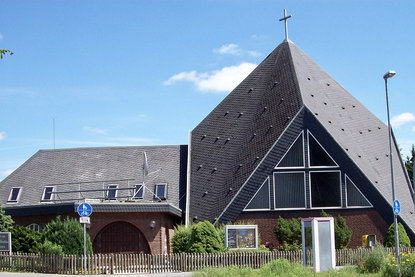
point(279, 268)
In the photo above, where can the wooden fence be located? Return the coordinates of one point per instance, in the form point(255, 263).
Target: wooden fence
point(135, 263)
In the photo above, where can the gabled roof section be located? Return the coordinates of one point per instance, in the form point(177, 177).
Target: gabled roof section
point(230, 142)
point(359, 132)
point(94, 169)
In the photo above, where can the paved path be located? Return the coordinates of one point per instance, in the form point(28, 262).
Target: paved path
point(23, 274)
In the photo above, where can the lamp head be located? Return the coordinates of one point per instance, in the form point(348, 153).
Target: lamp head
point(389, 74)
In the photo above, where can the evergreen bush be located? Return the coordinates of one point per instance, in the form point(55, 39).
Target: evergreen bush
point(25, 240)
point(342, 232)
point(6, 221)
point(48, 247)
point(204, 239)
point(288, 233)
point(180, 238)
point(68, 234)
point(404, 240)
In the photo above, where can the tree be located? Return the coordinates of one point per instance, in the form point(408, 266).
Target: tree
point(69, 234)
point(404, 240)
point(6, 221)
point(288, 232)
point(180, 238)
point(204, 239)
point(342, 232)
point(25, 240)
point(409, 163)
point(4, 52)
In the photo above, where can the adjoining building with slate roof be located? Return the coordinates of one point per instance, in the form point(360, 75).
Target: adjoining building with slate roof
point(288, 141)
point(127, 215)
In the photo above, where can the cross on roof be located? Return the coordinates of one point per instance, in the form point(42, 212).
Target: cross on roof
point(285, 21)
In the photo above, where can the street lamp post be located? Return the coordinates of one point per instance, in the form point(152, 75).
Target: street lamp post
point(388, 75)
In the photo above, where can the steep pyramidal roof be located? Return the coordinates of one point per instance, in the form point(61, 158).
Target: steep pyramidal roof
point(231, 142)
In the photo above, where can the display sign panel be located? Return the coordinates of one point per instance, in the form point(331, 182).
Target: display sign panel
point(241, 237)
point(5, 241)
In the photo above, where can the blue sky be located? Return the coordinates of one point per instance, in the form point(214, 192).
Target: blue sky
point(145, 72)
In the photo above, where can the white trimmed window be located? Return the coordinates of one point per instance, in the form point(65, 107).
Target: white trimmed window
point(325, 189)
point(47, 194)
point(138, 191)
point(289, 190)
point(34, 226)
point(14, 195)
point(111, 192)
point(161, 191)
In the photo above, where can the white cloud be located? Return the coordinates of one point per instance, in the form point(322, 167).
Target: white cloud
point(223, 80)
point(2, 135)
point(234, 49)
point(94, 130)
point(413, 128)
point(6, 172)
point(1, 36)
point(230, 49)
point(401, 119)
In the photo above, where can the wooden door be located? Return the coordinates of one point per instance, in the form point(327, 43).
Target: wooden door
point(120, 237)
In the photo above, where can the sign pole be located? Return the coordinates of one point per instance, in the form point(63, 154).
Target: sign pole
point(85, 247)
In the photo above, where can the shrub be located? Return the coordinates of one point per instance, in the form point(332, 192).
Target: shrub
point(6, 221)
point(48, 247)
point(371, 261)
point(407, 265)
point(69, 234)
point(25, 240)
point(204, 239)
point(180, 238)
point(288, 232)
point(404, 240)
point(342, 232)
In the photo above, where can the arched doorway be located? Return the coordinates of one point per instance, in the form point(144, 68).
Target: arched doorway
point(120, 237)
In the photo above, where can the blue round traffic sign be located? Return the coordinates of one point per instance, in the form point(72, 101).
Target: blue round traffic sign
point(84, 209)
point(396, 207)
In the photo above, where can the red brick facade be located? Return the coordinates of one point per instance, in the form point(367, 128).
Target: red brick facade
point(157, 237)
point(362, 222)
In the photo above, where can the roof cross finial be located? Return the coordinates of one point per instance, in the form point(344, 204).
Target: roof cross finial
point(285, 19)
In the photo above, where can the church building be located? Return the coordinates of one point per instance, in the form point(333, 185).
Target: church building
point(288, 141)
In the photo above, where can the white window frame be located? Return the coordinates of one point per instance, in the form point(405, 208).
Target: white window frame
point(239, 227)
point(275, 191)
point(340, 188)
point(11, 194)
point(165, 191)
point(269, 197)
point(135, 193)
point(44, 193)
point(34, 226)
point(309, 157)
point(293, 167)
point(110, 188)
point(345, 193)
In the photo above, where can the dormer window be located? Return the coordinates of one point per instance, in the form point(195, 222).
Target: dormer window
point(161, 192)
point(111, 192)
point(14, 195)
point(138, 192)
point(47, 193)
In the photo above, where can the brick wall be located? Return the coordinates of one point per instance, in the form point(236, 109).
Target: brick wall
point(362, 222)
point(156, 236)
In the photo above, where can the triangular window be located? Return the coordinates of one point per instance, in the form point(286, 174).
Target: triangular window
point(295, 154)
point(260, 201)
point(355, 197)
point(317, 155)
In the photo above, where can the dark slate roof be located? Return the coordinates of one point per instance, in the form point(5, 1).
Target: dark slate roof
point(283, 83)
point(95, 168)
point(237, 134)
point(97, 208)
